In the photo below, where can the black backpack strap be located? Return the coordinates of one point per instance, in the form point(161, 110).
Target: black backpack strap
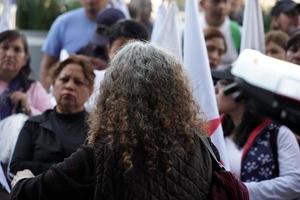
point(273, 144)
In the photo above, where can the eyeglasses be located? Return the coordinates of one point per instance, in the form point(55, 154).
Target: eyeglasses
point(16, 49)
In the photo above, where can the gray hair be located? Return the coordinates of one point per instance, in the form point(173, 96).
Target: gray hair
point(145, 99)
point(141, 61)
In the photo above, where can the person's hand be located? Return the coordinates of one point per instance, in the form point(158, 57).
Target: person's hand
point(21, 98)
point(26, 173)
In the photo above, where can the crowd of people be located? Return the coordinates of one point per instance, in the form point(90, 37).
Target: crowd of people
point(116, 119)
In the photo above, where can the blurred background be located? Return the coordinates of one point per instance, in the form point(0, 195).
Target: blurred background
point(34, 18)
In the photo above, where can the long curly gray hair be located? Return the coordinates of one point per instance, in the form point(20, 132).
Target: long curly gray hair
point(145, 101)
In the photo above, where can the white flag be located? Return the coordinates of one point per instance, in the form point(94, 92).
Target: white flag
point(158, 23)
point(121, 5)
point(3, 181)
point(5, 19)
point(197, 66)
point(253, 36)
point(168, 35)
point(63, 55)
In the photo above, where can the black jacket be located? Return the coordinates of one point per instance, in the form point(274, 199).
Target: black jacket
point(76, 178)
point(73, 179)
point(47, 139)
point(189, 178)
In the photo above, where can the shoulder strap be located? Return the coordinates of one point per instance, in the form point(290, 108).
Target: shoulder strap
point(236, 35)
point(253, 135)
point(273, 144)
point(211, 152)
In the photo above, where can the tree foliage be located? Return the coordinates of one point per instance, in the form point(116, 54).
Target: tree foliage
point(40, 14)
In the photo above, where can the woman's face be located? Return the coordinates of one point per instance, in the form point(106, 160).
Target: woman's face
point(293, 53)
point(71, 89)
point(226, 103)
point(275, 51)
point(215, 50)
point(12, 58)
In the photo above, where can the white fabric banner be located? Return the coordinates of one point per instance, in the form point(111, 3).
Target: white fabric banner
point(167, 34)
point(3, 181)
point(158, 23)
point(197, 66)
point(5, 19)
point(121, 5)
point(253, 36)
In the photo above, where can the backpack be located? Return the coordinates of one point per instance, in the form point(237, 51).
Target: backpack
point(224, 185)
point(273, 144)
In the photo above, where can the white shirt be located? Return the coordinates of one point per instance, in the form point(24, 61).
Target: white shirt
point(234, 157)
point(3, 181)
point(91, 102)
point(287, 185)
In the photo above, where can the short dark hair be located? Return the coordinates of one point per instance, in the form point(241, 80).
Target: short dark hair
point(285, 6)
point(130, 29)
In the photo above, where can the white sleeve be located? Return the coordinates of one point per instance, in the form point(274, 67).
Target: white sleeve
point(90, 104)
point(287, 185)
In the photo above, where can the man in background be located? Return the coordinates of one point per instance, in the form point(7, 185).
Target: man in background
point(216, 15)
point(285, 16)
point(70, 31)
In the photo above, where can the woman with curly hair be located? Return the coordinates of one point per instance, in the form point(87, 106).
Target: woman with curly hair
point(143, 141)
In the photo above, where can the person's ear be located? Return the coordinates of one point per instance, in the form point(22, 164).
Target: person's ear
point(274, 22)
